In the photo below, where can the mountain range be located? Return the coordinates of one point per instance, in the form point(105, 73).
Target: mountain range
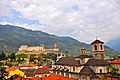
point(12, 37)
point(114, 44)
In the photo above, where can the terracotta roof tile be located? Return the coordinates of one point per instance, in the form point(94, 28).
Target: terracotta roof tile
point(116, 61)
point(11, 69)
point(57, 77)
point(29, 65)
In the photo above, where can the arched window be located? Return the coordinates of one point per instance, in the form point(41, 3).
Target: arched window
point(95, 47)
point(100, 70)
point(101, 47)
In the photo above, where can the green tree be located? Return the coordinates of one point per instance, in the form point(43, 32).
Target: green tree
point(12, 56)
point(2, 56)
point(21, 56)
point(1, 63)
point(32, 57)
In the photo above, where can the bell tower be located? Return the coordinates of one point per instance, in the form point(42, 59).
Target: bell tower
point(83, 50)
point(98, 49)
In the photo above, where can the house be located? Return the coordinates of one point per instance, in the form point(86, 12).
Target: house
point(40, 72)
point(84, 66)
point(116, 65)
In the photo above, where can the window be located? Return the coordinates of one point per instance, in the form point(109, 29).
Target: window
point(67, 74)
point(100, 70)
point(73, 68)
point(95, 47)
point(58, 73)
point(62, 73)
point(101, 47)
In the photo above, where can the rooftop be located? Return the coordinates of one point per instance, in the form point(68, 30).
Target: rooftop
point(97, 41)
point(68, 61)
point(28, 65)
point(97, 62)
point(86, 70)
point(117, 61)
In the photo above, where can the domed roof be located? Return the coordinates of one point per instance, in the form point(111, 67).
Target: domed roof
point(82, 47)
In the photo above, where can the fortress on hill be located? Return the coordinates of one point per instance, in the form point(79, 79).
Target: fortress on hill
point(25, 49)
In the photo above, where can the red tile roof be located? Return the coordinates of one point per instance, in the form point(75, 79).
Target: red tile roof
point(57, 77)
point(29, 65)
point(44, 66)
point(112, 79)
point(20, 78)
point(116, 61)
point(33, 78)
point(11, 69)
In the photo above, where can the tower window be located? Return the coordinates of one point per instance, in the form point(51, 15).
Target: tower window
point(100, 70)
point(95, 47)
point(101, 47)
point(73, 68)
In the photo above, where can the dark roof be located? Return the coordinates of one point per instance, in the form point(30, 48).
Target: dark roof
point(86, 70)
point(97, 41)
point(68, 61)
point(28, 72)
point(32, 72)
point(96, 62)
point(41, 71)
point(84, 56)
point(94, 77)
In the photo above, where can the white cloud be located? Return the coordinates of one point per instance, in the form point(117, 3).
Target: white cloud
point(5, 8)
point(81, 19)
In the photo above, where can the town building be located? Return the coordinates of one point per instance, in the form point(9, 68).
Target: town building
point(83, 67)
point(116, 66)
point(32, 70)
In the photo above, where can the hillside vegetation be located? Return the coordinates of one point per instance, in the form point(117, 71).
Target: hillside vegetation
point(12, 37)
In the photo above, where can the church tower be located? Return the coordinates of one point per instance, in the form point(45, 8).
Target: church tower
point(55, 44)
point(83, 50)
point(98, 49)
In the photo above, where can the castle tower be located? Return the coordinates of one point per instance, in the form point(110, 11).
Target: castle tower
point(55, 44)
point(98, 49)
point(83, 50)
point(42, 45)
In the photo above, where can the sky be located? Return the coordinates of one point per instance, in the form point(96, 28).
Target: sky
point(83, 20)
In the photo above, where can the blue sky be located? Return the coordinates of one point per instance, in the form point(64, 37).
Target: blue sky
point(83, 20)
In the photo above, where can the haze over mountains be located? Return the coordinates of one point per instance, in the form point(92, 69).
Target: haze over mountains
point(114, 44)
point(12, 37)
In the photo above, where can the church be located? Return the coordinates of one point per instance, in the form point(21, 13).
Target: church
point(83, 67)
